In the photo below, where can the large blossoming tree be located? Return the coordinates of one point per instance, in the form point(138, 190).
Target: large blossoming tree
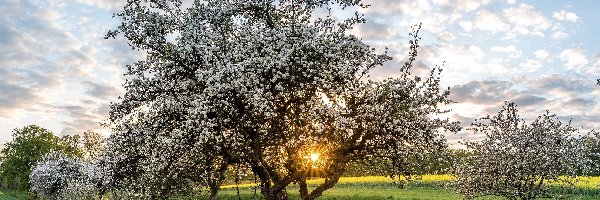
point(263, 84)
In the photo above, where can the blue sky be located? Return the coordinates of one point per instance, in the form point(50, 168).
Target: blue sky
point(57, 71)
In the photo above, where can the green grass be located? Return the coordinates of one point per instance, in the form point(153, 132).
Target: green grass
point(369, 188)
point(12, 194)
point(358, 191)
point(377, 187)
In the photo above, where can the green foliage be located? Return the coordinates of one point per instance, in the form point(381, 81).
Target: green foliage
point(29, 144)
point(87, 145)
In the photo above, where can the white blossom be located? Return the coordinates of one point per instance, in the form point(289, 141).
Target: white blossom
point(520, 161)
point(243, 84)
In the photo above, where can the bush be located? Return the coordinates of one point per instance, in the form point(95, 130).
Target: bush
point(57, 176)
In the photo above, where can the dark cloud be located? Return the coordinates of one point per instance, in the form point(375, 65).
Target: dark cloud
point(527, 99)
point(376, 30)
point(80, 119)
point(561, 83)
point(103, 109)
point(22, 89)
point(14, 97)
point(101, 91)
point(482, 92)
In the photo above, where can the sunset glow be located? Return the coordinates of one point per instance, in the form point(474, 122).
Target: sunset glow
point(314, 157)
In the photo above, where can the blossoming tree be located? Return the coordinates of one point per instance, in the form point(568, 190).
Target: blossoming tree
point(264, 84)
point(520, 161)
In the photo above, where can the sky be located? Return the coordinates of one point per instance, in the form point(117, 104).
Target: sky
point(58, 71)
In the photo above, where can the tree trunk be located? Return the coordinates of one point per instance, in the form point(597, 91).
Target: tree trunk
point(213, 193)
point(281, 195)
point(303, 187)
point(215, 184)
point(317, 192)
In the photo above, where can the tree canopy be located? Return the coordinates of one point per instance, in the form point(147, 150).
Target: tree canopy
point(264, 84)
point(29, 144)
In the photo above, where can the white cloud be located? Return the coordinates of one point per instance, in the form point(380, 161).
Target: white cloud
point(488, 21)
point(470, 5)
point(110, 5)
point(541, 55)
point(445, 36)
point(511, 2)
point(461, 5)
point(559, 35)
point(530, 66)
point(460, 57)
point(466, 26)
point(575, 58)
point(565, 16)
point(389, 7)
point(510, 49)
point(527, 20)
point(497, 68)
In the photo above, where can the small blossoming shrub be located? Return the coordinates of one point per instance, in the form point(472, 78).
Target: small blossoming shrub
point(521, 161)
point(57, 176)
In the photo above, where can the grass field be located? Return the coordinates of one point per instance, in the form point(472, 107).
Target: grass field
point(378, 187)
point(370, 188)
point(12, 194)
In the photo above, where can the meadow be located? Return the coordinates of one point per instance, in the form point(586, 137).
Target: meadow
point(370, 188)
point(379, 187)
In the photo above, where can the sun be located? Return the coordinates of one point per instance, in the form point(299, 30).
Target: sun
point(314, 157)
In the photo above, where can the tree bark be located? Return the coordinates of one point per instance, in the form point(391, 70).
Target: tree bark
point(329, 183)
point(215, 184)
point(303, 187)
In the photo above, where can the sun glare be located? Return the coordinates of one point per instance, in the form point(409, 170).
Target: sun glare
point(314, 157)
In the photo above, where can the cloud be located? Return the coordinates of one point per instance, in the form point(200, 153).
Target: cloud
point(568, 97)
point(14, 97)
point(559, 35)
point(530, 65)
point(481, 92)
point(527, 20)
point(109, 5)
point(23, 90)
point(541, 55)
point(466, 26)
point(45, 58)
point(391, 7)
point(565, 16)
point(512, 50)
point(375, 31)
point(101, 91)
point(461, 5)
point(560, 86)
point(527, 100)
point(81, 119)
point(575, 58)
point(488, 21)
